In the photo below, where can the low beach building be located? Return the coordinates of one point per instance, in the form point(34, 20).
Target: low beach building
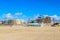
point(47, 19)
point(17, 21)
point(40, 20)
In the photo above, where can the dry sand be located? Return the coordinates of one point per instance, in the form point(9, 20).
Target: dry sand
point(29, 33)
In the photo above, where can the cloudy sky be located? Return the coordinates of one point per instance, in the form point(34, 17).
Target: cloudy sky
point(24, 9)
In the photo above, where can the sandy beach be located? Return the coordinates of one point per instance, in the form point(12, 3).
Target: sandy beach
point(29, 33)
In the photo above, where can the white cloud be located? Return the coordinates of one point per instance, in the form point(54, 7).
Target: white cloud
point(36, 16)
point(18, 14)
point(12, 16)
point(8, 15)
point(24, 16)
point(55, 17)
point(45, 15)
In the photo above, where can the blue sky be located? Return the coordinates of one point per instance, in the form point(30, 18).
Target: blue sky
point(28, 8)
